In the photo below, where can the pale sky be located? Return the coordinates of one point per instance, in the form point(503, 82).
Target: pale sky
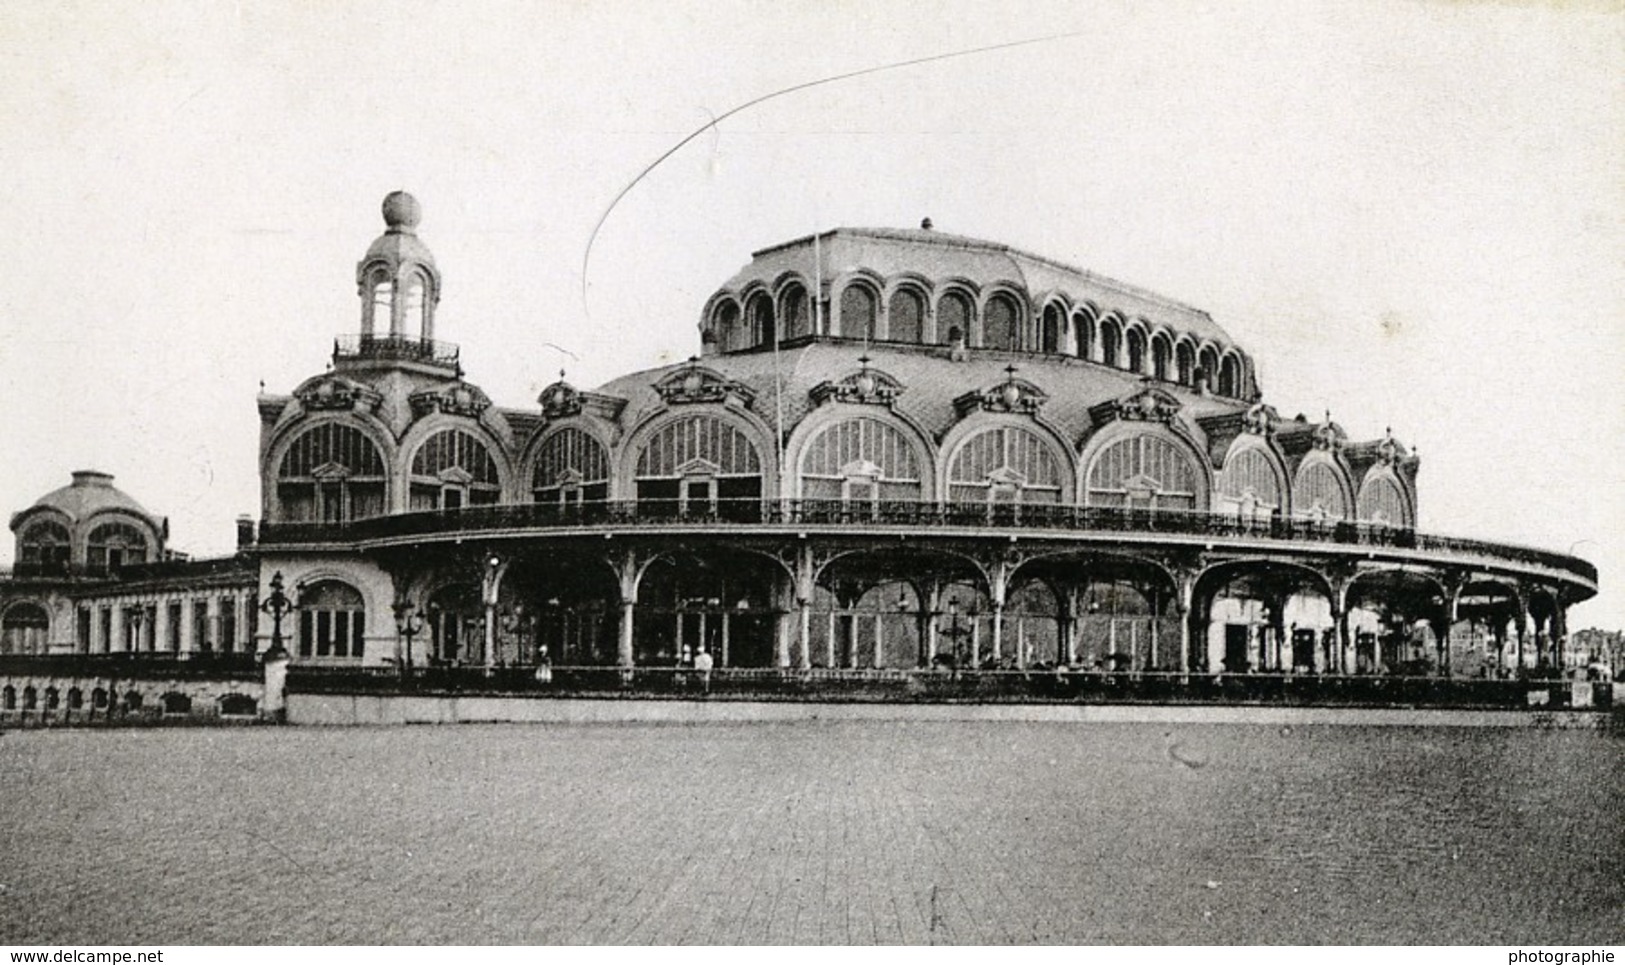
point(1412, 214)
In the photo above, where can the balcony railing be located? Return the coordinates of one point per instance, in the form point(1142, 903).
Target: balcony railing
point(917, 515)
point(142, 665)
point(395, 348)
point(154, 570)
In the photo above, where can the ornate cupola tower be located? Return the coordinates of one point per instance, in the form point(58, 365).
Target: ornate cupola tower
point(399, 287)
point(397, 280)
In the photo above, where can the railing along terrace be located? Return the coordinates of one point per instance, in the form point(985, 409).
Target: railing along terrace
point(156, 569)
point(392, 348)
point(137, 664)
point(914, 514)
point(992, 686)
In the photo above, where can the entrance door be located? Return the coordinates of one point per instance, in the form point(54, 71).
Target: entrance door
point(1236, 655)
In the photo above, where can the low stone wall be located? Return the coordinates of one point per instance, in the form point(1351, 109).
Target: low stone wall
point(61, 700)
point(363, 709)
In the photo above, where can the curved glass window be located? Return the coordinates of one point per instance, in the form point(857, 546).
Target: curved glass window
point(860, 459)
point(1001, 324)
point(1005, 464)
point(112, 545)
point(331, 473)
point(45, 543)
point(953, 318)
point(571, 466)
point(857, 312)
point(1317, 493)
point(905, 316)
point(1381, 501)
point(698, 464)
point(332, 620)
point(453, 468)
point(1144, 472)
point(1249, 483)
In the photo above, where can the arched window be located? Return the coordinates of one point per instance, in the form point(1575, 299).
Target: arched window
point(414, 310)
point(1185, 364)
point(1382, 501)
point(1230, 377)
point(953, 318)
point(698, 464)
point(1083, 324)
point(906, 316)
point(1005, 464)
point(379, 312)
point(760, 310)
point(332, 473)
point(45, 544)
point(1248, 485)
point(1317, 493)
point(332, 621)
point(1159, 358)
point(1049, 330)
point(857, 311)
point(1208, 363)
point(25, 629)
point(1136, 350)
point(451, 469)
point(112, 545)
point(725, 327)
point(1144, 472)
point(862, 461)
point(795, 311)
point(1111, 338)
point(1001, 324)
point(571, 467)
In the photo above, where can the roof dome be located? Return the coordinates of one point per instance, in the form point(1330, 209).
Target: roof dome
point(399, 244)
point(91, 492)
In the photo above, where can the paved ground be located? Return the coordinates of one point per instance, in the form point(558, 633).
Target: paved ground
point(850, 833)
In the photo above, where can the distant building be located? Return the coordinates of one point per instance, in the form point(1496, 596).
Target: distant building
point(896, 449)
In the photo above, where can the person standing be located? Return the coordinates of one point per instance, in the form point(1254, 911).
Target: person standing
point(702, 667)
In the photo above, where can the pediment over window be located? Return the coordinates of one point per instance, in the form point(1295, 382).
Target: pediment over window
point(1011, 395)
point(458, 398)
point(455, 476)
point(698, 467)
point(861, 469)
point(697, 383)
point(1149, 404)
point(334, 392)
point(562, 400)
point(330, 472)
point(866, 386)
point(1006, 476)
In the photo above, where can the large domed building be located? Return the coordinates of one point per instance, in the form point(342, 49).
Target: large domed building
point(894, 449)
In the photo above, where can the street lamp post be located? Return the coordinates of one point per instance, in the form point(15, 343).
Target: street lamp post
point(277, 604)
point(409, 623)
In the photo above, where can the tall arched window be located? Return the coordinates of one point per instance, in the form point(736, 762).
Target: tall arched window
point(379, 316)
point(1083, 323)
point(332, 621)
point(953, 318)
point(1049, 329)
point(1317, 492)
point(857, 311)
point(760, 311)
point(1144, 472)
point(725, 327)
point(1159, 358)
point(331, 473)
point(1185, 363)
point(906, 316)
point(795, 311)
point(414, 309)
point(25, 629)
point(1136, 350)
point(1248, 485)
point(453, 468)
point(1381, 501)
point(698, 464)
point(1001, 324)
point(1004, 464)
point(1207, 362)
point(45, 544)
point(112, 545)
point(1229, 377)
point(571, 468)
point(1111, 338)
point(862, 461)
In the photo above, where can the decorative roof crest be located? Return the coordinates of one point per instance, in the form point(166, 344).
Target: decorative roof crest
point(697, 383)
point(1260, 419)
point(458, 398)
point(1012, 395)
point(334, 392)
point(1149, 404)
point(865, 386)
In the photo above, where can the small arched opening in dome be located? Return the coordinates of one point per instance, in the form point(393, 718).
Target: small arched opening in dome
point(725, 325)
point(858, 310)
point(759, 316)
point(1050, 329)
point(1135, 355)
point(953, 318)
point(1160, 357)
point(1185, 364)
point(1083, 328)
point(1111, 340)
point(1230, 376)
point(905, 316)
point(1002, 323)
point(1207, 367)
point(795, 311)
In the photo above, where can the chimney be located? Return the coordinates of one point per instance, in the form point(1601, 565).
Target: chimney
point(245, 531)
